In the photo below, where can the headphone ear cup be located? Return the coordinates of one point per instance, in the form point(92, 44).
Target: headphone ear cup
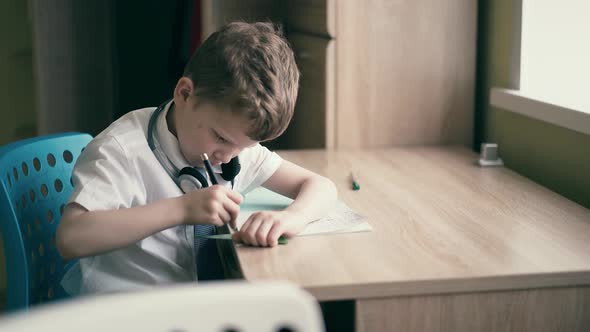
point(190, 179)
point(230, 170)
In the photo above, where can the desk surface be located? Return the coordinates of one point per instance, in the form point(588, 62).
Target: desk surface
point(441, 225)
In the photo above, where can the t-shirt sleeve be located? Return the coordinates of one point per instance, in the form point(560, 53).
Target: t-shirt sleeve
point(258, 165)
point(103, 177)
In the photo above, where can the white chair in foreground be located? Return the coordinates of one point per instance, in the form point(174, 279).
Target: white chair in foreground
point(217, 306)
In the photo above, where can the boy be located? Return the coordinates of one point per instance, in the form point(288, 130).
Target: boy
point(128, 217)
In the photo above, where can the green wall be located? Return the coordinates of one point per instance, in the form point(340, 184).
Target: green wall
point(555, 157)
point(17, 90)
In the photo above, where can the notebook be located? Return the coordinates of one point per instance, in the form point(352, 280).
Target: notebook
point(341, 219)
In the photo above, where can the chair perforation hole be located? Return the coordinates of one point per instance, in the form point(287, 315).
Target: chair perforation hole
point(58, 185)
point(37, 223)
point(41, 250)
point(231, 329)
point(25, 168)
point(32, 195)
point(51, 159)
point(68, 156)
point(37, 164)
point(23, 201)
point(49, 216)
point(44, 190)
point(15, 174)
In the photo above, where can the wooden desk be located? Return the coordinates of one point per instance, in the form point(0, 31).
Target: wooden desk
point(455, 247)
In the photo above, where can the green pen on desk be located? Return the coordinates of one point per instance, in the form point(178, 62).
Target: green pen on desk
point(355, 185)
point(213, 179)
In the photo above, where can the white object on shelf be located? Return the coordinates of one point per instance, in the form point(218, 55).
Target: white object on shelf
point(489, 155)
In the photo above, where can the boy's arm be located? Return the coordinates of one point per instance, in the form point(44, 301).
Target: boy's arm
point(313, 195)
point(85, 233)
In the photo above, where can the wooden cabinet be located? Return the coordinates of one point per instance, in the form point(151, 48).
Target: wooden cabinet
point(380, 73)
point(313, 119)
point(397, 72)
point(405, 72)
point(311, 32)
point(314, 17)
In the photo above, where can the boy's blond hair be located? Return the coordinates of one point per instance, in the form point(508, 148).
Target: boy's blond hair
point(250, 68)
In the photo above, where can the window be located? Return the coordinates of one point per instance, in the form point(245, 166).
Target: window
point(555, 52)
point(554, 66)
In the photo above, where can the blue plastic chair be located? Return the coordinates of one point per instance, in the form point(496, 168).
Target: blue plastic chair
point(36, 184)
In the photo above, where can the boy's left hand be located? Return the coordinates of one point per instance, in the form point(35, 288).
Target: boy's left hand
point(264, 228)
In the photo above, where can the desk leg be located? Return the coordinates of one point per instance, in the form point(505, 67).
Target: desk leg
point(338, 315)
point(539, 310)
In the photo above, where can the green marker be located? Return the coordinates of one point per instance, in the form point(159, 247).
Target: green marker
point(355, 185)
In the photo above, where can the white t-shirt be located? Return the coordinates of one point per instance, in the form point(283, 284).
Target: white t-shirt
point(118, 170)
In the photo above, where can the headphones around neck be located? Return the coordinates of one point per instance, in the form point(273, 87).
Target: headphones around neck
point(188, 178)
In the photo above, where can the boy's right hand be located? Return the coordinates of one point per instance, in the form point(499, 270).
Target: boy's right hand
point(215, 205)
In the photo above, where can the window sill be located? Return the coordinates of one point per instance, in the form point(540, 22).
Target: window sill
point(515, 101)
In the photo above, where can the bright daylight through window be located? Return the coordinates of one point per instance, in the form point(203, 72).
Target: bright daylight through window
point(555, 52)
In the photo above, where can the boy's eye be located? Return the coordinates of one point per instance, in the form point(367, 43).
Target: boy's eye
point(218, 137)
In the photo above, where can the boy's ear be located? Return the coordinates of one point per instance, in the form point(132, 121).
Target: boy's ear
point(183, 90)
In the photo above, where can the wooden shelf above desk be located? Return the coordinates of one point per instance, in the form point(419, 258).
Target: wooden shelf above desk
point(442, 225)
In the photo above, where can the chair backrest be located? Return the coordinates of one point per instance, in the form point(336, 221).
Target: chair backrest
point(237, 306)
point(35, 185)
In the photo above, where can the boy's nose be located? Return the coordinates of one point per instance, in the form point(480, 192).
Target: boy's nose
point(223, 157)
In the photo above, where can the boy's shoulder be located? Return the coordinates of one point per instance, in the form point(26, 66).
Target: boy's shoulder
point(257, 157)
point(128, 134)
point(253, 153)
point(258, 164)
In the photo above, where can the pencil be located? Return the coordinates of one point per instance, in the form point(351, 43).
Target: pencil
point(209, 169)
point(213, 180)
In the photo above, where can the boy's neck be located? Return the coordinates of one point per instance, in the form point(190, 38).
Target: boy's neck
point(170, 119)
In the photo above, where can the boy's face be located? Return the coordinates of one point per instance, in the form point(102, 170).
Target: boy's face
point(205, 128)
